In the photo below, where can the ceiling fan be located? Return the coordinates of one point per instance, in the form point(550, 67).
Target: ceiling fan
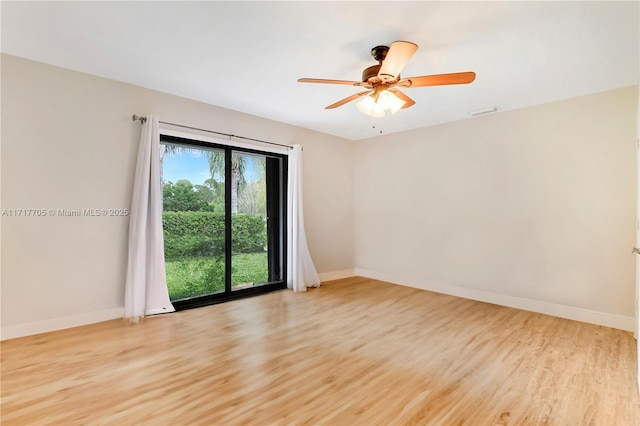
point(383, 81)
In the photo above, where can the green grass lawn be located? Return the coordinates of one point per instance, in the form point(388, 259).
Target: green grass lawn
point(195, 276)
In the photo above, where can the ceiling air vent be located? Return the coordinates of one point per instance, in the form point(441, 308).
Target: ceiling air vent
point(483, 111)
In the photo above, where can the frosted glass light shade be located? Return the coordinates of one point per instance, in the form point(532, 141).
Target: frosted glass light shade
point(386, 100)
point(369, 106)
point(390, 101)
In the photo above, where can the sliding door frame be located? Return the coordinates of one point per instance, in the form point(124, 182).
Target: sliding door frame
point(276, 219)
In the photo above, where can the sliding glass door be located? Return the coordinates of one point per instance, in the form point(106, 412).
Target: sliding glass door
point(224, 221)
point(256, 215)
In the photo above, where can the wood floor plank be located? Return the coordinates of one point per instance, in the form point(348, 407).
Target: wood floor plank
point(353, 352)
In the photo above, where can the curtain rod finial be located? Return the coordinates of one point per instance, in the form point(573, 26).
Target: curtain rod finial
point(137, 117)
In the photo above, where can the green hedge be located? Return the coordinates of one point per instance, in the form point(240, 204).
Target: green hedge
point(188, 234)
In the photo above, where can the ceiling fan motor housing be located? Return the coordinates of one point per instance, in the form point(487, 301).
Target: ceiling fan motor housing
point(378, 53)
point(370, 74)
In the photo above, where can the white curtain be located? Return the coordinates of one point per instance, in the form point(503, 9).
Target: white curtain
point(146, 290)
point(300, 270)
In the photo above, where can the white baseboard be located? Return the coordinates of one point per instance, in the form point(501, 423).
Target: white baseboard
point(37, 327)
point(548, 308)
point(562, 311)
point(336, 275)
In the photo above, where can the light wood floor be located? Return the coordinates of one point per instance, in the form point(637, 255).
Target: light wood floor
point(355, 351)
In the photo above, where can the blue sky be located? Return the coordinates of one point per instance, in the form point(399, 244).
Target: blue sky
point(193, 165)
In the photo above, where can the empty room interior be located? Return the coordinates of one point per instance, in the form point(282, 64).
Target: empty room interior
point(319, 212)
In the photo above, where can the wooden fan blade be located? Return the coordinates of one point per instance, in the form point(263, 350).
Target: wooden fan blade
point(397, 57)
point(407, 100)
point(325, 81)
point(438, 79)
point(349, 99)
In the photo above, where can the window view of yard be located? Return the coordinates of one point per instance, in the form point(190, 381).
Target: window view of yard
point(194, 221)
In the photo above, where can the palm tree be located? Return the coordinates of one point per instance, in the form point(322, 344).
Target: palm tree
point(252, 196)
point(216, 168)
point(238, 163)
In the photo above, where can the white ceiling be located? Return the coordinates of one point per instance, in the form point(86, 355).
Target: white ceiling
point(247, 56)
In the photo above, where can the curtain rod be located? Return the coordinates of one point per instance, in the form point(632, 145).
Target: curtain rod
point(144, 119)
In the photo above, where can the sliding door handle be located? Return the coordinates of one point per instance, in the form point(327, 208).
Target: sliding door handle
point(636, 250)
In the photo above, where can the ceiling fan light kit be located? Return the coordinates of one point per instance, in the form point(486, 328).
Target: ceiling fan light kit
point(368, 106)
point(375, 104)
point(383, 81)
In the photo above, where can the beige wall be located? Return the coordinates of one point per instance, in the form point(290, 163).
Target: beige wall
point(534, 204)
point(68, 142)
